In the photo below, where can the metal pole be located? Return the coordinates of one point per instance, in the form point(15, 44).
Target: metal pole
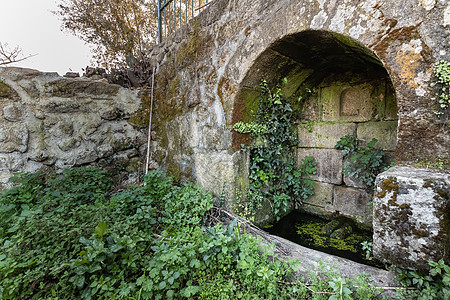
point(159, 23)
point(170, 20)
point(165, 24)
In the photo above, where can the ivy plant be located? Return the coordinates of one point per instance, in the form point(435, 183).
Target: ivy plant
point(273, 173)
point(362, 163)
point(442, 73)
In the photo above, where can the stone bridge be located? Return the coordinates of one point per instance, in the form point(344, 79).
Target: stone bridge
point(208, 73)
point(370, 64)
point(367, 64)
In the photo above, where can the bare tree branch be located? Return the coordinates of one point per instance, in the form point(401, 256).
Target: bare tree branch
point(10, 56)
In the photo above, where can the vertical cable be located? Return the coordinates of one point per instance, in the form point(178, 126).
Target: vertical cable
point(150, 124)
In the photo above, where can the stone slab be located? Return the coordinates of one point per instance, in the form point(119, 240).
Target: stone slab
point(323, 135)
point(315, 210)
point(323, 195)
point(311, 259)
point(384, 132)
point(411, 213)
point(353, 203)
point(329, 164)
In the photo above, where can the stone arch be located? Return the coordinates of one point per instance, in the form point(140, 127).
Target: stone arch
point(338, 87)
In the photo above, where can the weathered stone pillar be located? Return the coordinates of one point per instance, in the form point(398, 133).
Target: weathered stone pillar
point(411, 217)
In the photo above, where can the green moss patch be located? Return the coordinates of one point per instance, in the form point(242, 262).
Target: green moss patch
point(5, 90)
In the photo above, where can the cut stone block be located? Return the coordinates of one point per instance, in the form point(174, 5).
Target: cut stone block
point(353, 182)
point(353, 203)
point(411, 213)
point(347, 103)
point(310, 109)
point(329, 164)
point(323, 135)
point(384, 132)
point(323, 195)
point(315, 210)
point(215, 170)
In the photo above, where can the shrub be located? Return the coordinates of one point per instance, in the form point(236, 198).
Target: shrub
point(63, 238)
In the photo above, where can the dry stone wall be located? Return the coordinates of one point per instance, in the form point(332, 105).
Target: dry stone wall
point(52, 122)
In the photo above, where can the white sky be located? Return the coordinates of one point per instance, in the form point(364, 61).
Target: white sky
point(31, 25)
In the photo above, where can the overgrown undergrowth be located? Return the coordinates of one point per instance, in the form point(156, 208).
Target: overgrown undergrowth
point(64, 237)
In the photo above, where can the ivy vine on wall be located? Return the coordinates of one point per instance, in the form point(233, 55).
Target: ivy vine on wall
point(273, 173)
point(442, 73)
point(362, 163)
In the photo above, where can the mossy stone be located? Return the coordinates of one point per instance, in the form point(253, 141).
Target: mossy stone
point(342, 232)
point(5, 90)
point(330, 227)
point(141, 117)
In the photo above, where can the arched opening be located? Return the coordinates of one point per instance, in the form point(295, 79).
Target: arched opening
point(338, 87)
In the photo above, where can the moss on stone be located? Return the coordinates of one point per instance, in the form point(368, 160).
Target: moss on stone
point(244, 110)
point(5, 90)
point(174, 86)
point(436, 162)
point(141, 117)
point(389, 185)
point(173, 170)
point(358, 48)
point(194, 46)
point(439, 186)
point(69, 88)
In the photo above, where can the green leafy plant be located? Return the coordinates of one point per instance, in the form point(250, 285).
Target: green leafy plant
point(63, 237)
point(253, 128)
point(362, 163)
point(434, 284)
point(442, 72)
point(367, 247)
point(41, 220)
point(341, 291)
point(274, 175)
